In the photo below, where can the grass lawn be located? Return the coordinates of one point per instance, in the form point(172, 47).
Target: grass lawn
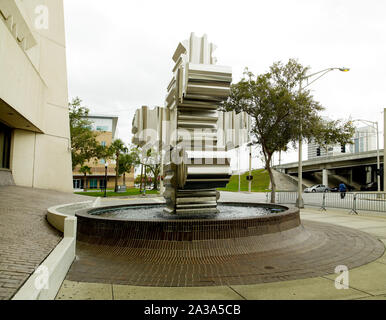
point(129, 192)
point(260, 182)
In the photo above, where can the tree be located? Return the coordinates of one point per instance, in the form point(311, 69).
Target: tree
point(128, 161)
point(84, 145)
point(151, 161)
point(116, 148)
point(281, 113)
point(85, 170)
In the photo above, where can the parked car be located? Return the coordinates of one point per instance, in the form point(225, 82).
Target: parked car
point(317, 188)
point(372, 186)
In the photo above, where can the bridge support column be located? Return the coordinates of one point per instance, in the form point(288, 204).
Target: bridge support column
point(325, 177)
point(350, 174)
point(369, 174)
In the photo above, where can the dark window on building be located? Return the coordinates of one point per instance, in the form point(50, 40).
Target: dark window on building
point(318, 152)
point(5, 145)
point(93, 183)
point(343, 148)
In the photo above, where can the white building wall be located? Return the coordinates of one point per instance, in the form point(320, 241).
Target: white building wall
point(36, 89)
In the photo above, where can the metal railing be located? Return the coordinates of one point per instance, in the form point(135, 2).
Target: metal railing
point(354, 201)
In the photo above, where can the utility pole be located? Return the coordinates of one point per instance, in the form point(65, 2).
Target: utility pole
point(238, 164)
point(378, 162)
point(384, 147)
point(250, 168)
point(299, 200)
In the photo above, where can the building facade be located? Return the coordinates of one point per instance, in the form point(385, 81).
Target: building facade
point(105, 127)
point(34, 125)
point(365, 139)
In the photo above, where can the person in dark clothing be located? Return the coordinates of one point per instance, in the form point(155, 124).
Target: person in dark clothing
point(342, 190)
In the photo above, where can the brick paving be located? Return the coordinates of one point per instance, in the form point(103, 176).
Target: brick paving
point(26, 238)
point(309, 251)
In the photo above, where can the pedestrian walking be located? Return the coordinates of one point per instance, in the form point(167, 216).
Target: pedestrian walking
point(342, 190)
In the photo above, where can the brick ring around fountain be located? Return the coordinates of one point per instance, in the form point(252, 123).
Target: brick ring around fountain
point(160, 251)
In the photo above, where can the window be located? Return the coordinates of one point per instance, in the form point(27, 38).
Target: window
point(318, 152)
point(102, 161)
point(102, 183)
point(102, 128)
point(77, 184)
point(93, 183)
point(5, 145)
point(343, 148)
point(103, 143)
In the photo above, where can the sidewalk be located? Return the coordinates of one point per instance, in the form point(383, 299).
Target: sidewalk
point(365, 282)
point(26, 238)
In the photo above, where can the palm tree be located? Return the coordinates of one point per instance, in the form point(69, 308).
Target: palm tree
point(85, 170)
point(117, 147)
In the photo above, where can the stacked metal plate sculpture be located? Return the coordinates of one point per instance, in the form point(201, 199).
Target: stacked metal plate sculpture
point(193, 133)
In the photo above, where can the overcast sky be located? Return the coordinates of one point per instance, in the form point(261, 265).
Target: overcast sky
point(119, 51)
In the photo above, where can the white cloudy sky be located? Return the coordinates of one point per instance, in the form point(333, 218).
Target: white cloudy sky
point(119, 51)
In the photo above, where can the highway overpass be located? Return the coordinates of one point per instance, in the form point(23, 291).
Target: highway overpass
point(355, 169)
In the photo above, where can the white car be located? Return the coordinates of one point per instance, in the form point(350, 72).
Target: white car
point(317, 188)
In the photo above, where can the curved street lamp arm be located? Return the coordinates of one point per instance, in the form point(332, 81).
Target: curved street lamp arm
point(324, 71)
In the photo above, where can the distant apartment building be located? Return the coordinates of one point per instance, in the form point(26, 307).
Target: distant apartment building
point(365, 139)
point(35, 148)
point(105, 126)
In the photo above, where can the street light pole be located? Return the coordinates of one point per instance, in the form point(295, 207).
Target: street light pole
point(238, 166)
point(105, 178)
point(250, 168)
point(378, 162)
point(299, 200)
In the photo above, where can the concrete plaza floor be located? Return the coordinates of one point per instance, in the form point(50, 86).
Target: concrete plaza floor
point(365, 282)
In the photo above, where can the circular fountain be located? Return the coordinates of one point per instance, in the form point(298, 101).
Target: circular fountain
point(248, 243)
point(236, 229)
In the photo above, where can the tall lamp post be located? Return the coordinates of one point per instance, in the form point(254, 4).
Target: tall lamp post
point(374, 124)
point(250, 167)
point(106, 165)
point(299, 200)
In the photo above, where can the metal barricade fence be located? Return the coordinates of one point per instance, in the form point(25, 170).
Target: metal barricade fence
point(354, 201)
point(371, 201)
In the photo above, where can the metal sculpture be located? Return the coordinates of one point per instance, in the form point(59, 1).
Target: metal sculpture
point(193, 133)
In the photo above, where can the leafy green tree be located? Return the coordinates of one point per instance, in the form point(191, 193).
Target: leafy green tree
point(117, 148)
point(84, 145)
point(128, 161)
point(281, 113)
point(85, 170)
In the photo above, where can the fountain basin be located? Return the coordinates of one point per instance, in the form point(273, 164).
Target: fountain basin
point(208, 252)
point(163, 238)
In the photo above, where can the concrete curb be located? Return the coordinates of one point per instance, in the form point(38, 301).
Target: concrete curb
point(56, 218)
point(47, 279)
point(45, 282)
